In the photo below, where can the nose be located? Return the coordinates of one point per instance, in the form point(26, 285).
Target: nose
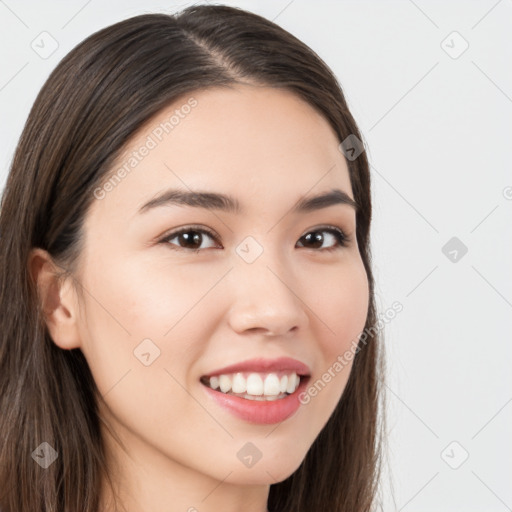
point(266, 298)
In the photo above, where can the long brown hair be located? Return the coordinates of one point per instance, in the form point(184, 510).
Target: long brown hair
point(98, 96)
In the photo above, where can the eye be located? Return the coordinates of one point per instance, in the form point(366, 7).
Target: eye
point(316, 238)
point(189, 238)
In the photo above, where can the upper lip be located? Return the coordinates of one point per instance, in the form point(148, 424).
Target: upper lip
point(264, 366)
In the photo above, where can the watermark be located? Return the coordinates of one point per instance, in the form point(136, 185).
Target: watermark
point(507, 193)
point(351, 147)
point(249, 249)
point(146, 352)
point(249, 454)
point(454, 45)
point(45, 455)
point(152, 140)
point(344, 359)
point(454, 249)
point(455, 455)
point(45, 45)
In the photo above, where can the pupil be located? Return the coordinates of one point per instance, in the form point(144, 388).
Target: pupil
point(317, 238)
point(194, 239)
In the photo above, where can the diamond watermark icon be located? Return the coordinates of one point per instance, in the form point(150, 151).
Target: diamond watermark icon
point(249, 454)
point(455, 455)
point(44, 455)
point(45, 45)
point(146, 352)
point(351, 147)
point(454, 45)
point(454, 249)
point(249, 249)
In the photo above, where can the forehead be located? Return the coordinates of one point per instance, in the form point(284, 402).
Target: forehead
point(250, 142)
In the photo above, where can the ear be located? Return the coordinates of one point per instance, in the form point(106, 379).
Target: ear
point(58, 300)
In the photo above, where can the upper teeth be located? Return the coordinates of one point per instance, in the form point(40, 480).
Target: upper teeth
point(255, 383)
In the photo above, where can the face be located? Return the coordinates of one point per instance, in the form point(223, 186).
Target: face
point(266, 282)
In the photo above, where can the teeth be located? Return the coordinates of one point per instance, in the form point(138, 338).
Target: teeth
point(214, 382)
point(256, 385)
point(271, 385)
point(239, 385)
point(225, 383)
point(283, 384)
point(293, 383)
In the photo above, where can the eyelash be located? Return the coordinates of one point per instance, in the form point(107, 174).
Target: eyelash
point(342, 239)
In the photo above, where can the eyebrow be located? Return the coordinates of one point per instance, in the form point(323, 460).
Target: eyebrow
point(227, 203)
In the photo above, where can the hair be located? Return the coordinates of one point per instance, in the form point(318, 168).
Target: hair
point(99, 95)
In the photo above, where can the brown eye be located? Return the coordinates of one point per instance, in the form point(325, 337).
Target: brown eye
point(188, 238)
point(317, 239)
point(192, 238)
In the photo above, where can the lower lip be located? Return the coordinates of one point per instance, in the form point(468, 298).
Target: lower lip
point(259, 411)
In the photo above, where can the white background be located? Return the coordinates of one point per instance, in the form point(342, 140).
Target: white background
point(438, 132)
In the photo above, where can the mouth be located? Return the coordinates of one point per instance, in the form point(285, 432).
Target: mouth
point(257, 386)
point(257, 398)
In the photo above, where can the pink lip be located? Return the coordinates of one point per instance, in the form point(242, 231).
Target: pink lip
point(264, 365)
point(261, 412)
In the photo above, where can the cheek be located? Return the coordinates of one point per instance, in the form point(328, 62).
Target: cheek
point(341, 312)
point(146, 297)
point(140, 338)
point(132, 302)
point(342, 306)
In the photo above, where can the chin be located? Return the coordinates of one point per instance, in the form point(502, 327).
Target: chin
point(270, 472)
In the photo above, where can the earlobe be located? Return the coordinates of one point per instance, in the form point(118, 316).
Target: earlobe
point(57, 299)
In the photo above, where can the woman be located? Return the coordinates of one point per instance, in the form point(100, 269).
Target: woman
point(186, 291)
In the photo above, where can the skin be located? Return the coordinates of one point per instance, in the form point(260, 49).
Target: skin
point(267, 148)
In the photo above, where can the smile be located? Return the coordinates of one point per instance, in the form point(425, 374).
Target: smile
point(257, 408)
point(255, 386)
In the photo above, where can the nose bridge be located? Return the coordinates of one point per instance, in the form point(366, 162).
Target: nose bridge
point(265, 295)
